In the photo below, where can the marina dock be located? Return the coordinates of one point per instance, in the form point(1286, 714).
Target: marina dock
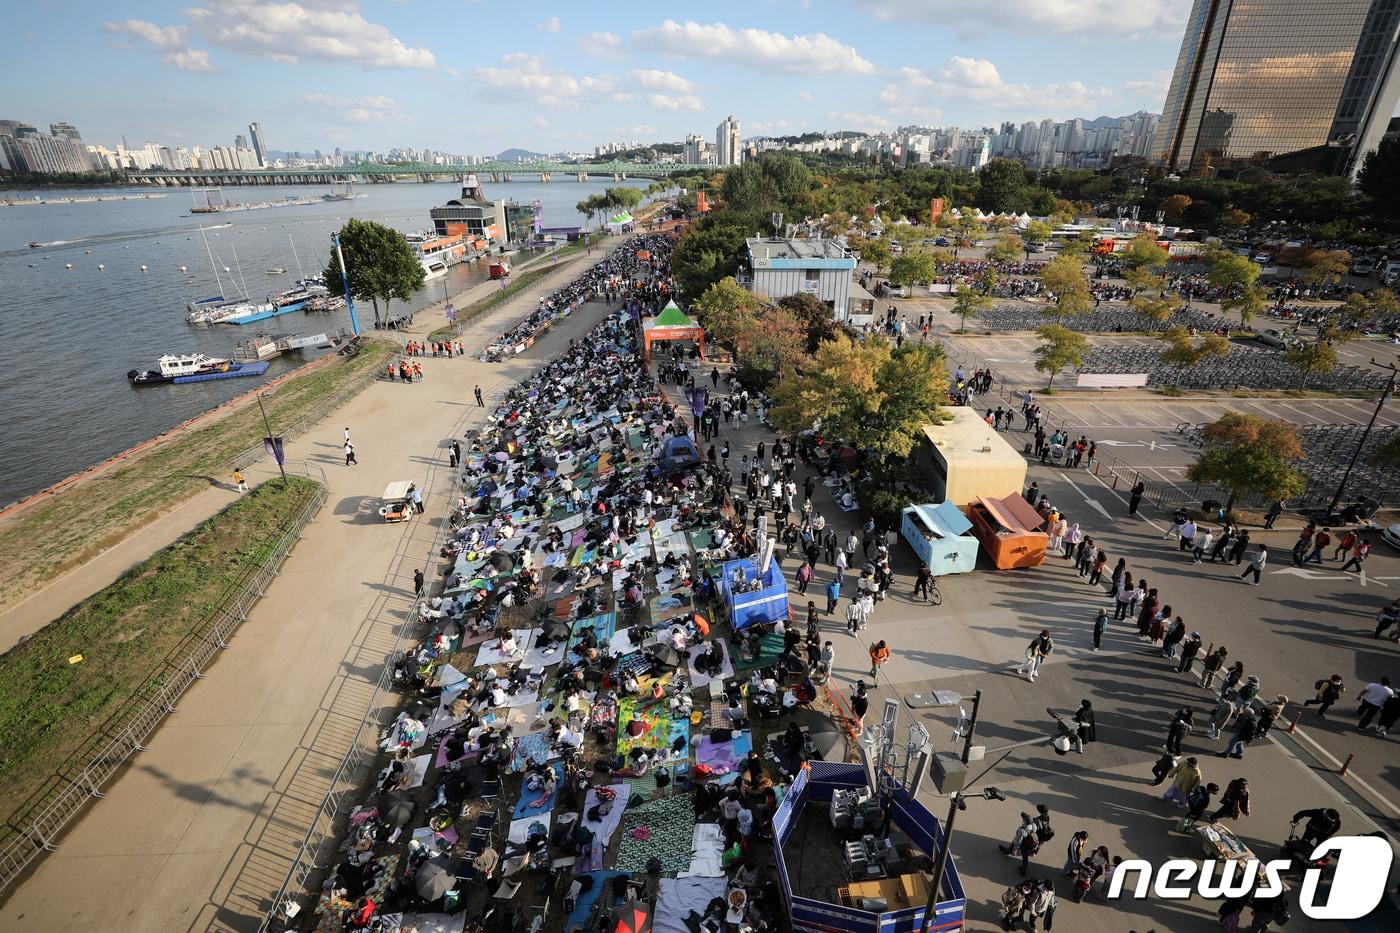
point(237, 371)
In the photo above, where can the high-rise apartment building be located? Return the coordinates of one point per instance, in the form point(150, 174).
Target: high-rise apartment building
point(66, 131)
point(1299, 84)
point(729, 144)
point(255, 133)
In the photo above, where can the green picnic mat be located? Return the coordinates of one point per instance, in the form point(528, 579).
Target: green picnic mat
point(770, 647)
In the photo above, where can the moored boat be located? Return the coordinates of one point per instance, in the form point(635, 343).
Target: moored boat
point(172, 366)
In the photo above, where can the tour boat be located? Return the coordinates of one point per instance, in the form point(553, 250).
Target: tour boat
point(433, 267)
point(171, 366)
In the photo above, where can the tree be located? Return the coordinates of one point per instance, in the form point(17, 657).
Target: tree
point(875, 252)
point(625, 198)
point(1145, 263)
point(867, 393)
point(1173, 207)
point(1312, 359)
point(1324, 267)
point(814, 315)
point(766, 341)
point(968, 303)
point(1062, 347)
point(1237, 276)
point(912, 267)
point(1182, 352)
point(1007, 248)
point(382, 266)
point(1037, 231)
point(710, 250)
point(1387, 456)
point(1234, 219)
point(1001, 186)
point(1379, 179)
point(1063, 277)
point(1247, 455)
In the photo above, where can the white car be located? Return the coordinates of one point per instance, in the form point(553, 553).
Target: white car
point(1363, 267)
point(1263, 258)
point(1391, 535)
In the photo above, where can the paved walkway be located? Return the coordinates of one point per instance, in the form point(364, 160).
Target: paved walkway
point(200, 832)
point(65, 592)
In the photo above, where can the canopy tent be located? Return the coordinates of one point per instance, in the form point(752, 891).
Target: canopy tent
point(672, 324)
point(619, 220)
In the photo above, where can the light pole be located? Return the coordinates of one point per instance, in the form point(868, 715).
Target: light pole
point(1380, 402)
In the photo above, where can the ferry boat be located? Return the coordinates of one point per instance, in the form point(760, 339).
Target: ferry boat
point(433, 268)
point(170, 367)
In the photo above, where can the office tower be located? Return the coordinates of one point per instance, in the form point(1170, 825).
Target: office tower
point(259, 146)
point(729, 144)
point(1302, 85)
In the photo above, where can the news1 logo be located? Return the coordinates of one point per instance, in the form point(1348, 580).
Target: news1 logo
point(1358, 880)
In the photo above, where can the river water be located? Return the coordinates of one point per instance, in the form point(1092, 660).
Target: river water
point(68, 336)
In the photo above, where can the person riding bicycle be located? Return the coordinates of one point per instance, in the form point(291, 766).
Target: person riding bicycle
point(922, 581)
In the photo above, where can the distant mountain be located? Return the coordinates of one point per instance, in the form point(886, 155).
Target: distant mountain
point(514, 155)
point(1101, 122)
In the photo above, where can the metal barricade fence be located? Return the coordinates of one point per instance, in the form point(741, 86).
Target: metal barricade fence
point(111, 749)
point(309, 419)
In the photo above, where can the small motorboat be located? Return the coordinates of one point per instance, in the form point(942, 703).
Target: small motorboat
point(276, 270)
point(34, 245)
point(171, 367)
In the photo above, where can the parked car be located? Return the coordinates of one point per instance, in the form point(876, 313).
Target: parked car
point(1363, 267)
point(941, 241)
point(1275, 338)
point(1262, 258)
point(1037, 247)
point(1391, 535)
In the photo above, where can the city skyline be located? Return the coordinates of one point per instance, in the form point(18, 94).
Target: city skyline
point(373, 75)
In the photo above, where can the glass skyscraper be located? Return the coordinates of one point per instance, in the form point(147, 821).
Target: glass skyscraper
point(1294, 84)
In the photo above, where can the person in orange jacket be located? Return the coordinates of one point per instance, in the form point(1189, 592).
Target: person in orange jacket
point(879, 654)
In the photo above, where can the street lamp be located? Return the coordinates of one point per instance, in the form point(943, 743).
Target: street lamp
point(1380, 402)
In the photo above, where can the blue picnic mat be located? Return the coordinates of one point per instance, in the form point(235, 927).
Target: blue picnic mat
point(578, 918)
point(522, 806)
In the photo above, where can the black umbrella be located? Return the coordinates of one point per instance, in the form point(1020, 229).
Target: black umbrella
point(549, 462)
point(396, 808)
point(666, 655)
point(435, 878)
point(501, 561)
point(555, 630)
point(632, 917)
point(827, 737)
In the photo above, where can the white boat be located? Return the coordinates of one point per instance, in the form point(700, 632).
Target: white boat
point(172, 366)
point(275, 270)
point(433, 267)
point(233, 312)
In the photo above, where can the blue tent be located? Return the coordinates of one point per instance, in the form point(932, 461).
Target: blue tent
point(679, 454)
point(759, 606)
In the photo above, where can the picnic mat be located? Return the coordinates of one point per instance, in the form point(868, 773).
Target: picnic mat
point(670, 605)
point(678, 897)
point(662, 828)
point(603, 829)
point(661, 730)
point(533, 746)
point(490, 653)
point(602, 626)
point(706, 852)
point(724, 757)
point(527, 796)
point(583, 908)
point(329, 909)
point(520, 829)
point(698, 679)
point(769, 650)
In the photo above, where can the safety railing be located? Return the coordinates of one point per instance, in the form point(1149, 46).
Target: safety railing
point(307, 420)
point(108, 751)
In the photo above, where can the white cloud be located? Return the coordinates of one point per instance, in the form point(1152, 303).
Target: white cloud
point(529, 77)
point(1081, 18)
point(846, 120)
point(637, 130)
point(779, 127)
point(288, 32)
point(374, 109)
point(653, 80)
point(550, 25)
point(804, 95)
point(757, 49)
point(977, 82)
point(1153, 87)
point(171, 41)
point(602, 44)
point(673, 102)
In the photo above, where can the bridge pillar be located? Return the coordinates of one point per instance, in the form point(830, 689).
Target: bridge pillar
point(544, 176)
point(583, 176)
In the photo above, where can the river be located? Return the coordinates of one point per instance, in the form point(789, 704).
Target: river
point(69, 335)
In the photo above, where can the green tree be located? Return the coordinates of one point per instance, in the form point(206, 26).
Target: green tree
point(815, 316)
point(1238, 276)
point(1324, 267)
point(1063, 277)
point(1062, 347)
point(1379, 179)
point(1145, 264)
point(875, 252)
point(1037, 231)
point(1183, 352)
point(912, 267)
point(1249, 455)
point(1001, 186)
point(1007, 248)
point(625, 198)
point(867, 393)
point(1387, 456)
point(1312, 359)
point(382, 266)
point(711, 249)
point(969, 303)
point(766, 341)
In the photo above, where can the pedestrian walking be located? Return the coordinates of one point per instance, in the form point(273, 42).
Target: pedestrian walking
point(1329, 691)
point(1162, 767)
point(1178, 520)
point(1234, 803)
point(1271, 516)
point(1319, 544)
point(1135, 497)
point(1257, 564)
point(1390, 712)
point(1036, 652)
point(879, 656)
point(1074, 851)
point(1180, 728)
point(1345, 543)
point(418, 582)
point(1359, 554)
point(1100, 623)
point(804, 577)
point(1237, 549)
point(350, 454)
point(1188, 535)
point(833, 595)
point(1388, 616)
point(860, 703)
point(239, 482)
point(1372, 697)
point(1042, 904)
point(480, 402)
point(1204, 541)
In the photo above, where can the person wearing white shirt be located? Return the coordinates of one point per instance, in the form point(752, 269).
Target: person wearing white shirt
point(1372, 697)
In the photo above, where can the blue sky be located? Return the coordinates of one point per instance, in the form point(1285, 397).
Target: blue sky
point(476, 77)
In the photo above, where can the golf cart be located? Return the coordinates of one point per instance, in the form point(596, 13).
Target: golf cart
point(397, 501)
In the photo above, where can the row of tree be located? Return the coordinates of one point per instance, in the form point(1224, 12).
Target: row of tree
point(616, 199)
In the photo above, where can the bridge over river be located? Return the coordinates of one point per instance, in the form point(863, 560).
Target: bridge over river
point(375, 173)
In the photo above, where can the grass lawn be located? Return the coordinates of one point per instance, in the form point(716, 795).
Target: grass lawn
point(50, 709)
point(55, 535)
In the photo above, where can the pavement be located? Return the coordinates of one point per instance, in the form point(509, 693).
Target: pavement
point(200, 831)
point(1290, 631)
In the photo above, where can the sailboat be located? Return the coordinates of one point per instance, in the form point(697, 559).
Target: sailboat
point(305, 289)
point(221, 310)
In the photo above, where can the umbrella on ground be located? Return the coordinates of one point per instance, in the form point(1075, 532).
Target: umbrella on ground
point(435, 878)
point(555, 630)
point(827, 738)
point(632, 917)
point(396, 808)
point(666, 655)
point(502, 561)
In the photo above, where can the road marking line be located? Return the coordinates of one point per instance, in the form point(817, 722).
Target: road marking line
point(1351, 777)
point(1093, 503)
point(1115, 495)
